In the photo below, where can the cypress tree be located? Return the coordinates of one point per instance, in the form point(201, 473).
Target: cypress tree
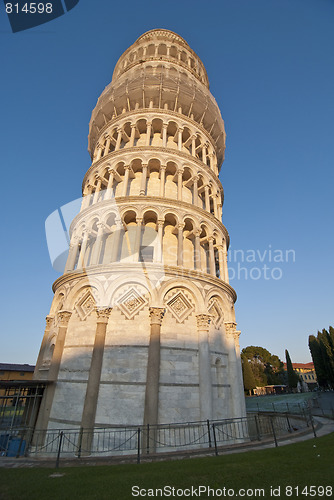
point(318, 360)
point(292, 375)
point(327, 355)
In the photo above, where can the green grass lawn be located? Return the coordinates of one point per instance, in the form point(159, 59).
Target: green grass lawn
point(309, 463)
point(281, 402)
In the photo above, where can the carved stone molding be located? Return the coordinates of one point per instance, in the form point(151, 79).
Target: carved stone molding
point(230, 328)
point(156, 315)
point(49, 320)
point(63, 317)
point(103, 314)
point(203, 321)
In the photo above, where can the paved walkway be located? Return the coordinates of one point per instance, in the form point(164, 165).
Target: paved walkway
point(323, 426)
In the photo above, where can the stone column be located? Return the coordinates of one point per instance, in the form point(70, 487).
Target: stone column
point(137, 244)
point(93, 384)
point(49, 320)
point(211, 256)
point(98, 152)
point(119, 139)
point(151, 409)
point(193, 145)
point(46, 405)
point(180, 244)
point(126, 180)
point(81, 259)
point(116, 241)
point(198, 266)
point(162, 180)
point(204, 362)
point(160, 240)
point(225, 264)
point(164, 135)
point(207, 198)
point(237, 400)
point(148, 133)
point(143, 180)
point(97, 245)
point(221, 262)
point(72, 255)
point(97, 189)
point(179, 138)
point(179, 183)
point(195, 178)
point(109, 192)
point(204, 154)
point(220, 212)
point(132, 136)
point(215, 206)
point(86, 198)
point(107, 145)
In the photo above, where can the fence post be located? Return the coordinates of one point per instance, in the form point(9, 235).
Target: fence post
point(80, 442)
point(148, 438)
point(257, 428)
point(59, 448)
point(312, 423)
point(214, 438)
point(273, 429)
point(20, 445)
point(138, 447)
point(209, 433)
point(288, 421)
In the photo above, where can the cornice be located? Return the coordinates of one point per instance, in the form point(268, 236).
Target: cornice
point(130, 269)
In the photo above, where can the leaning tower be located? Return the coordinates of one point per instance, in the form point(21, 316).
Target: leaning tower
point(142, 326)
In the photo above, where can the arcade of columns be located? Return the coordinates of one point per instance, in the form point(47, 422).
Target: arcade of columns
point(142, 326)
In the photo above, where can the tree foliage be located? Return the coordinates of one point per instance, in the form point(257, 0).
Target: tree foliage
point(267, 368)
point(322, 352)
point(247, 375)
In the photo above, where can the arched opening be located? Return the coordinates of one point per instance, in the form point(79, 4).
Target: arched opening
point(170, 240)
point(171, 181)
point(149, 240)
point(153, 185)
point(188, 244)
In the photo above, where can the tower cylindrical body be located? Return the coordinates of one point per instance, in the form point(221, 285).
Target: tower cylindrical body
point(152, 324)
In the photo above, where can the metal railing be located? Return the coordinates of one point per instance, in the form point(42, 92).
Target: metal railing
point(151, 439)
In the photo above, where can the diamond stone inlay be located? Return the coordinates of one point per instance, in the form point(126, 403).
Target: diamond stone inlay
point(180, 306)
point(216, 312)
point(85, 306)
point(131, 303)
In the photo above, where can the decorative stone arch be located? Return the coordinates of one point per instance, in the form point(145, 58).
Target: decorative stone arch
point(225, 300)
point(186, 285)
point(93, 285)
point(58, 302)
point(116, 295)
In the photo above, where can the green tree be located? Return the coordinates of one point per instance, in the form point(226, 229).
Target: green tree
point(293, 378)
point(266, 367)
point(327, 352)
point(247, 375)
point(317, 359)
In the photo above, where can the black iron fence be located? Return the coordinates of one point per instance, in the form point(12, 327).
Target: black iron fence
point(146, 440)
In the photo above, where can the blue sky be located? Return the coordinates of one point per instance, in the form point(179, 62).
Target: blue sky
point(271, 69)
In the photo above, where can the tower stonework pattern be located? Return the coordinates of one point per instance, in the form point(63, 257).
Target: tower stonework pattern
point(142, 326)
